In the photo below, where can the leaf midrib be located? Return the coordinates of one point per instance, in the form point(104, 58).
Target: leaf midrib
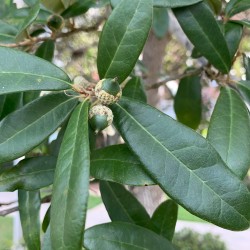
point(182, 164)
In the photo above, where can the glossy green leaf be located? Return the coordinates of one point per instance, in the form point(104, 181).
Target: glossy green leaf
point(33, 13)
point(10, 103)
point(54, 6)
point(78, 8)
point(160, 22)
point(7, 32)
point(246, 62)
point(125, 236)
point(202, 29)
point(46, 50)
point(184, 164)
point(46, 243)
point(122, 205)
point(29, 209)
point(30, 2)
point(27, 127)
point(236, 6)
point(123, 38)
point(122, 167)
point(233, 34)
point(244, 88)
point(174, 3)
point(187, 102)
point(229, 131)
point(164, 219)
point(22, 72)
point(71, 184)
point(30, 174)
point(114, 3)
point(2, 102)
point(46, 220)
point(29, 96)
point(135, 89)
point(243, 22)
point(216, 5)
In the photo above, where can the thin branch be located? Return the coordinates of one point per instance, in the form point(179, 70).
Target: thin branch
point(7, 203)
point(174, 77)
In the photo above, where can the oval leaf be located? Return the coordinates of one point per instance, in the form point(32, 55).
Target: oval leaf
point(29, 174)
point(122, 205)
point(29, 209)
point(20, 71)
point(123, 38)
point(46, 220)
point(174, 4)
point(236, 6)
point(187, 102)
point(27, 127)
point(229, 131)
point(7, 32)
point(125, 236)
point(46, 245)
point(46, 50)
point(122, 167)
point(160, 22)
point(71, 184)
point(244, 87)
point(202, 29)
point(164, 219)
point(246, 61)
point(184, 164)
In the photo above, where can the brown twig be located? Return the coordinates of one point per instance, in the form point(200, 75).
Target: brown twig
point(174, 77)
point(7, 203)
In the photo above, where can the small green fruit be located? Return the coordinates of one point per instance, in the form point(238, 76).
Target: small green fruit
point(100, 117)
point(55, 22)
point(108, 91)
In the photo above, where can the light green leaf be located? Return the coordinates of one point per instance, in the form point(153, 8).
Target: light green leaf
point(164, 219)
point(71, 184)
point(229, 131)
point(236, 6)
point(122, 167)
point(29, 209)
point(216, 5)
point(33, 13)
point(46, 244)
point(174, 3)
point(243, 22)
point(121, 205)
point(66, 3)
point(22, 72)
point(46, 50)
point(188, 103)
point(202, 29)
point(54, 6)
point(160, 22)
point(7, 32)
point(27, 127)
point(246, 61)
point(125, 236)
point(184, 164)
point(123, 38)
point(244, 88)
point(30, 174)
point(135, 89)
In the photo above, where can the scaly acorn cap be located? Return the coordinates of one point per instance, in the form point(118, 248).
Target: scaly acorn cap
point(100, 117)
point(55, 22)
point(108, 91)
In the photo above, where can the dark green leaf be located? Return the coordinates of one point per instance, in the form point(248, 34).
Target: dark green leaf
point(122, 167)
point(46, 50)
point(243, 22)
point(246, 61)
point(160, 22)
point(20, 71)
point(184, 164)
point(33, 13)
point(125, 236)
point(200, 26)
point(229, 131)
point(187, 102)
point(27, 127)
point(78, 8)
point(29, 174)
point(71, 184)
point(122, 205)
point(236, 6)
point(29, 209)
point(7, 32)
point(174, 4)
point(11, 103)
point(135, 89)
point(29, 96)
point(196, 53)
point(46, 220)
point(244, 88)
point(233, 34)
point(123, 38)
point(215, 5)
point(164, 219)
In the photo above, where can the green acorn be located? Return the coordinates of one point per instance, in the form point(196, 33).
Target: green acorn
point(55, 22)
point(100, 117)
point(108, 91)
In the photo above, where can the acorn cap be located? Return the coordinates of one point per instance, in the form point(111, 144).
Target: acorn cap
point(55, 22)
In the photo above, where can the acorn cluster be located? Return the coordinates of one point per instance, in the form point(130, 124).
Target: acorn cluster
point(107, 91)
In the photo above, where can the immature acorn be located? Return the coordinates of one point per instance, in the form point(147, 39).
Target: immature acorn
point(100, 117)
point(108, 91)
point(55, 22)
